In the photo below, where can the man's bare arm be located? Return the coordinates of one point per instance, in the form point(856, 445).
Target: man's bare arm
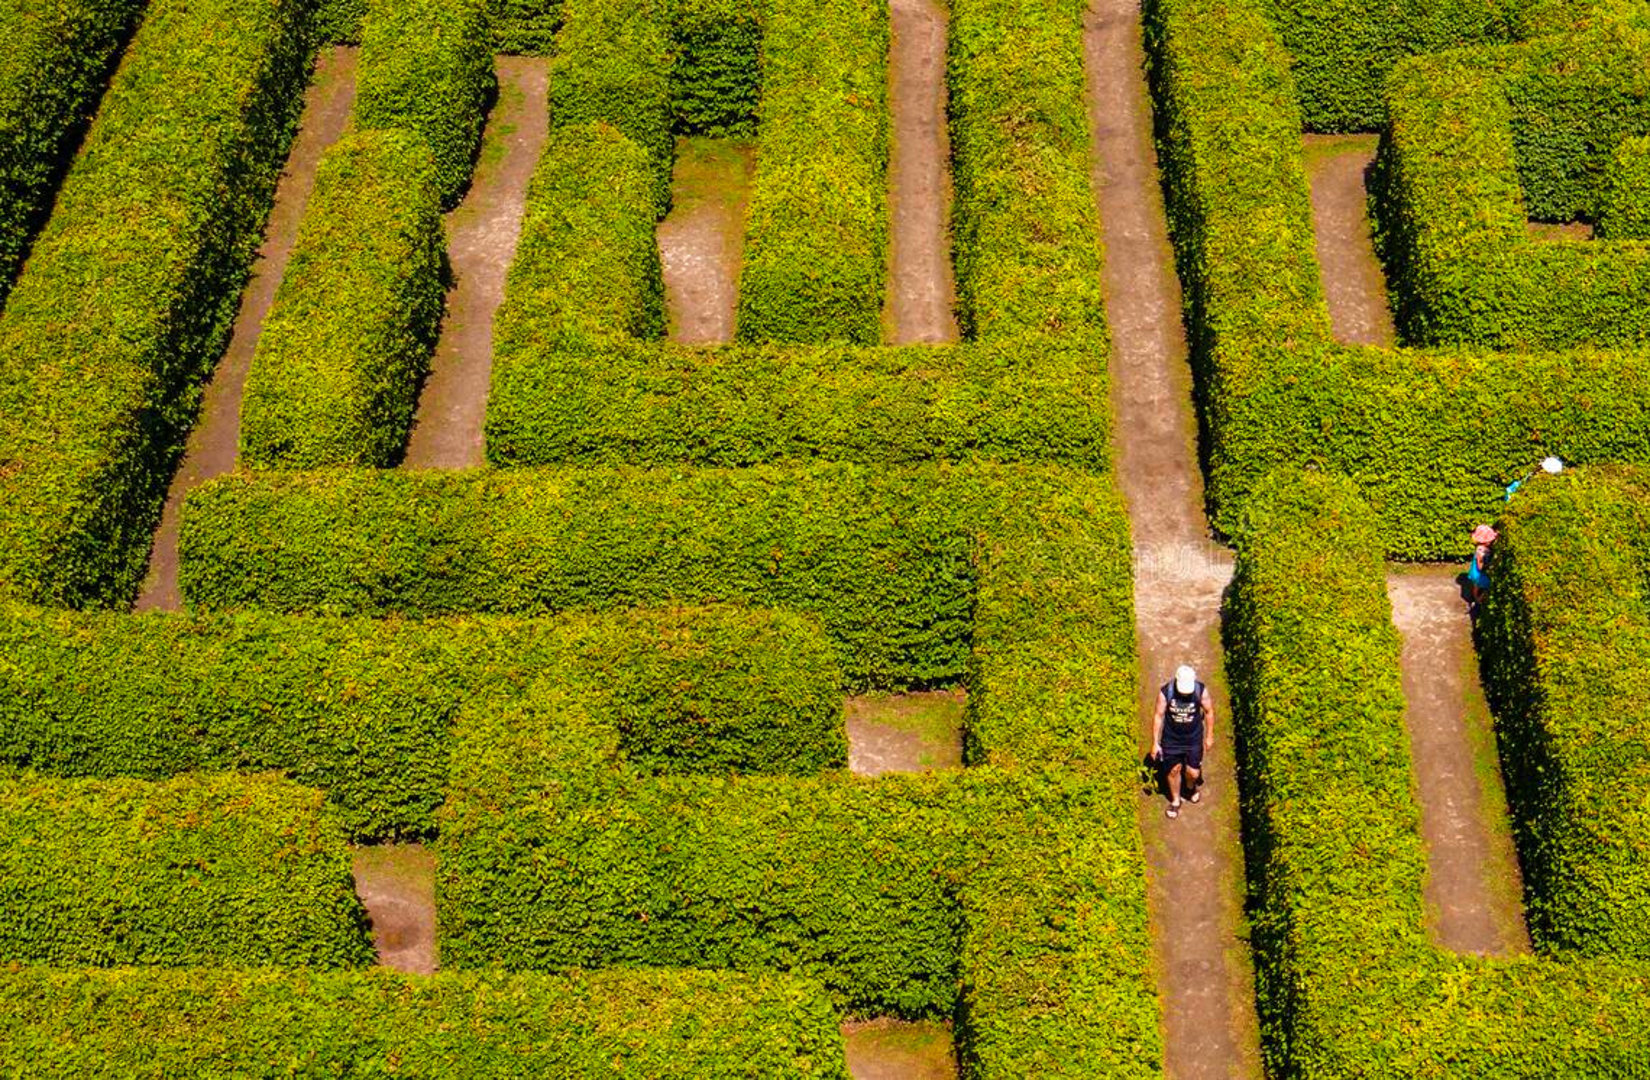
point(1157, 726)
point(1208, 719)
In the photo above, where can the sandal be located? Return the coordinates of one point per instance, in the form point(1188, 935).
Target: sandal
point(1172, 812)
point(1196, 796)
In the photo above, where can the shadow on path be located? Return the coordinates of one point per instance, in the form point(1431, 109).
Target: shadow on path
point(481, 243)
point(215, 439)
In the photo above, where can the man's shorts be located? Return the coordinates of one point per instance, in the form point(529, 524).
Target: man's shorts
point(1190, 756)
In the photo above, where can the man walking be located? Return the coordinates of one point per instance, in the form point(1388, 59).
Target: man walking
point(1183, 727)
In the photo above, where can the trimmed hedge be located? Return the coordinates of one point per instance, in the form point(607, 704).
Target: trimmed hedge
point(644, 1025)
point(525, 27)
point(1478, 142)
point(54, 67)
point(571, 382)
point(1018, 903)
point(646, 404)
point(613, 64)
point(132, 287)
point(1568, 623)
point(1624, 208)
point(1347, 983)
point(586, 266)
point(213, 870)
point(344, 350)
point(816, 230)
point(902, 566)
point(1028, 258)
point(362, 709)
point(1430, 437)
point(338, 22)
point(428, 67)
point(1341, 51)
point(717, 81)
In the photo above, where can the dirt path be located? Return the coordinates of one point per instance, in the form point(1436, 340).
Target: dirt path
point(1473, 893)
point(396, 882)
point(920, 285)
point(917, 732)
point(214, 441)
point(702, 239)
point(481, 243)
point(1352, 279)
point(899, 1050)
point(1195, 863)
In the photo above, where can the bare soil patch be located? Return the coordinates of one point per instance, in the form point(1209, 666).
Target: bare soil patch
point(481, 243)
point(214, 442)
point(1549, 232)
point(921, 289)
point(1473, 891)
point(396, 882)
point(702, 239)
point(1337, 167)
point(916, 732)
point(887, 1049)
point(1194, 864)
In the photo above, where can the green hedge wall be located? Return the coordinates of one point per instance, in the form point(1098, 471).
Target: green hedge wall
point(586, 266)
point(572, 384)
point(428, 67)
point(1027, 253)
point(338, 22)
point(1478, 142)
point(52, 72)
point(525, 27)
point(613, 64)
point(343, 352)
point(889, 560)
point(717, 81)
point(132, 286)
point(1430, 436)
point(640, 1025)
point(1347, 983)
point(1341, 51)
point(816, 230)
point(1566, 624)
point(362, 709)
point(1624, 207)
point(210, 870)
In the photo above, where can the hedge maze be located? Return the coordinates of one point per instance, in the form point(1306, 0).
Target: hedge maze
point(603, 676)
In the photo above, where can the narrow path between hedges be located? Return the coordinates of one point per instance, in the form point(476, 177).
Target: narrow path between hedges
point(702, 239)
point(215, 439)
point(396, 884)
point(481, 243)
point(1194, 864)
point(1474, 896)
point(1473, 891)
point(921, 290)
point(1336, 166)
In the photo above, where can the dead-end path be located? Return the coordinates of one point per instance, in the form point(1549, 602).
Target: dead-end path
point(481, 243)
point(1473, 892)
point(899, 1050)
point(702, 239)
point(920, 286)
point(1353, 283)
point(396, 884)
point(1194, 864)
point(215, 439)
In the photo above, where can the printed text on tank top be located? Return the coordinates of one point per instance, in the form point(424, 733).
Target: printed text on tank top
point(1183, 715)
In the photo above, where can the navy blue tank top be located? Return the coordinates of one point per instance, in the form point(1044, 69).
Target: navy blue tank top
point(1183, 718)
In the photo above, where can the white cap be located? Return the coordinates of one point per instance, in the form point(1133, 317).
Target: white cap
point(1552, 466)
point(1185, 679)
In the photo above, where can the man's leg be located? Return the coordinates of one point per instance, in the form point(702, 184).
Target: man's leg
point(1174, 784)
point(1194, 780)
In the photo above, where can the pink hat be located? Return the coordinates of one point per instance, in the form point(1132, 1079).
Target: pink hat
point(1484, 535)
